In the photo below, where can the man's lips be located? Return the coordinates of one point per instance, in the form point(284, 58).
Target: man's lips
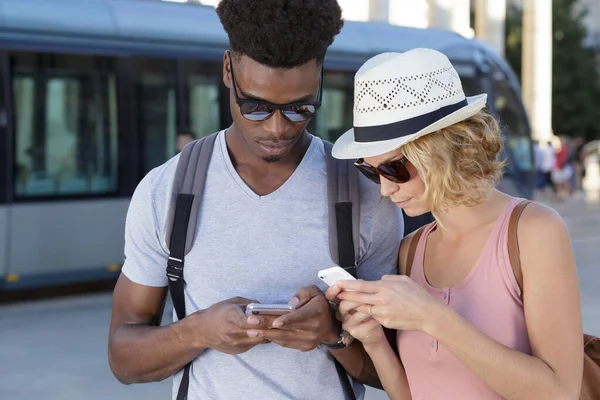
point(274, 148)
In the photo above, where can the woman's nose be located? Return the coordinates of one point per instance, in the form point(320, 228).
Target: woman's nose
point(388, 187)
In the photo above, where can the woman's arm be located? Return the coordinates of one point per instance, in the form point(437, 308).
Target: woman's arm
point(389, 369)
point(380, 367)
point(552, 312)
point(553, 316)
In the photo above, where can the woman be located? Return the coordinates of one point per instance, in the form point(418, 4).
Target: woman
point(465, 330)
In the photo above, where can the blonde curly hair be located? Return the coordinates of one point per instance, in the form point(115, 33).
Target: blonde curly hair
point(458, 164)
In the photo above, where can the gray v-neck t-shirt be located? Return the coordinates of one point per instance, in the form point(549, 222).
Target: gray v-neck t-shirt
point(263, 248)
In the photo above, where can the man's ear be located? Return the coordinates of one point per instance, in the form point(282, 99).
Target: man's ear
point(227, 69)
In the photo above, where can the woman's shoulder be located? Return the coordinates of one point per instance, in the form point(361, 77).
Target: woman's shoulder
point(538, 217)
point(541, 228)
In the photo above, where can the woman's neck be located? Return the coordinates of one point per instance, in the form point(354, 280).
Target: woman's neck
point(455, 222)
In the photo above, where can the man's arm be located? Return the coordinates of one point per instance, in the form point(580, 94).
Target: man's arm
point(137, 350)
point(358, 364)
point(140, 352)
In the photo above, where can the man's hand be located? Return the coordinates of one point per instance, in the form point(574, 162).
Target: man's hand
point(223, 326)
point(304, 329)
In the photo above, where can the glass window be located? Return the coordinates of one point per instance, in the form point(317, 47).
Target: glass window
point(468, 77)
point(157, 111)
point(335, 115)
point(203, 82)
point(513, 121)
point(66, 125)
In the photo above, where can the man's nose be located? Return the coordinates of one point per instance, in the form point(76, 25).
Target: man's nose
point(276, 125)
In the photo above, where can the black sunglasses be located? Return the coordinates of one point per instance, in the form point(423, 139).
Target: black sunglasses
point(257, 110)
point(394, 171)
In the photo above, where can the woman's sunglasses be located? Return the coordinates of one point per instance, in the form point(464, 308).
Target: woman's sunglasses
point(394, 171)
point(256, 110)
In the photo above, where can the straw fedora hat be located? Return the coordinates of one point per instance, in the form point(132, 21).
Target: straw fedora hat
point(400, 97)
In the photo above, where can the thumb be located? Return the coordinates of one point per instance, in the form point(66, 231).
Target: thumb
point(241, 301)
point(303, 296)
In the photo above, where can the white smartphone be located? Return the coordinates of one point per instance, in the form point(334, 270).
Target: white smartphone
point(268, 309)
point(334, 274)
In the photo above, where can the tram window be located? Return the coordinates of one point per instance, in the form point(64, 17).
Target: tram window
point(470, 86)
point(514, 121)
point(468, 78)
point(203, 82)
point(335, 115)
point(157, 111)
point(65, 115)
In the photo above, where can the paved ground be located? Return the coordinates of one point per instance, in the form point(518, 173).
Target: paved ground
point(56, 350)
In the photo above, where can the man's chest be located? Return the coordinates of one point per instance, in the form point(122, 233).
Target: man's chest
point(261, 250)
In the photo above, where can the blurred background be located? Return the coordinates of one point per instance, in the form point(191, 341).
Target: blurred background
point(96, 93)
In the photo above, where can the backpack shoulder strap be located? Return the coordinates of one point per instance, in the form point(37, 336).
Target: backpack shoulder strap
point(189, 180)
point(343, 199)
point(343, 195)
point(513, 242)
point(188, 187)
point(412, 249)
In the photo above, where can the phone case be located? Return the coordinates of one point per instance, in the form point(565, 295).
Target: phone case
point(268, 309)
point(334, 274)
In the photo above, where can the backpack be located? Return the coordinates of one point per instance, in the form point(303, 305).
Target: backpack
point(590, 387)
point(188, 187)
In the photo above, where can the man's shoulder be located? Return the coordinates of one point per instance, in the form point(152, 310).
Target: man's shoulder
point(161, 177)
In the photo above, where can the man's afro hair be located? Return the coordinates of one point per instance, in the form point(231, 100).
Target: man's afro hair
point(281, 33)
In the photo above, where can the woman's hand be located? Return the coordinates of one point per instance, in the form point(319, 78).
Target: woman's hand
point(396, 302)
point(361, 326)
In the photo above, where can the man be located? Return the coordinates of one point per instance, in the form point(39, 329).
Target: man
point(183, 138)
point(262, 235)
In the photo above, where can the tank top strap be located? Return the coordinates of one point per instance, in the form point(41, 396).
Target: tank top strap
point(416, 273)
point(501, 250)
point(500, 228)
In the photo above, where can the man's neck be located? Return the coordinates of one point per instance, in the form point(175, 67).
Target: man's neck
point(240, 153)
point(261, 176)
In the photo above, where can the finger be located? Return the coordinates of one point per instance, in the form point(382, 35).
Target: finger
point(332, 292)
point(252, 338)
point(360, 286)
point(260, 322)
point(355, 319)
point(255, 334)
point(362, 331)
point(393, 277)
point(273, 335)
point(358, 297)
point(312, 308)
point(303, 296)
point(360, 317)
point(339, 316)
point(241, 301)
point(368, 309)
point(347, 307)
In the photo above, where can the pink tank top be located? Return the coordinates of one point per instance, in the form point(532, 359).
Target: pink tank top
point(489, 298)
